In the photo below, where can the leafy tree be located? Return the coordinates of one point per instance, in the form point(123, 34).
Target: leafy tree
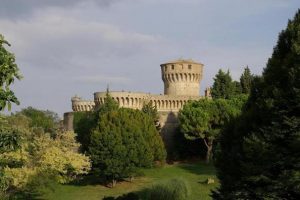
point(259, 155)
point(123, 140)
point(205, 118)
point(47, 121)
point(223, 86)
point(246, 81)
point(28, 155)
point(9, 71)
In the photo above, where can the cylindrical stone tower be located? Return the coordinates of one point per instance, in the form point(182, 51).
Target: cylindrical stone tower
point(182, 77)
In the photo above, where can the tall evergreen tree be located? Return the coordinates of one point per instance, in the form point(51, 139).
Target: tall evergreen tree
point(223, 86)
point(259, 156)
point(123, 140)
point(246, 80)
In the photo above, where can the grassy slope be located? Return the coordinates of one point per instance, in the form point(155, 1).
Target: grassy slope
point(194, 174)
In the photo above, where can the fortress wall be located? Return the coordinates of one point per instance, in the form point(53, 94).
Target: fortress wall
point(136, 100)
point(82, 105)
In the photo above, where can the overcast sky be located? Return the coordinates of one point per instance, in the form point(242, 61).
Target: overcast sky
point(68, 47)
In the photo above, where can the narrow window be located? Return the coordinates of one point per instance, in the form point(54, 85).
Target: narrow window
point(172, 66)
point(190, 66)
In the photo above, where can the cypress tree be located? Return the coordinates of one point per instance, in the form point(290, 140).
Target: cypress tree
point(223, 86)
point(259, 153)
point(246, 80)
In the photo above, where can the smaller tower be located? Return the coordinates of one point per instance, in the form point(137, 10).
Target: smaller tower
point(182, 77)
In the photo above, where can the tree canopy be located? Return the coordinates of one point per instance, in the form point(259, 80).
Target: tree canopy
point(246, 81)
point(28, 158)
point(223, 86)
point(123, 140)
point(259, 155)
point(205, 118)
point(9, 71)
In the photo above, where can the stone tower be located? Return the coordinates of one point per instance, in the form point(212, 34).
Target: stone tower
point(182, 77)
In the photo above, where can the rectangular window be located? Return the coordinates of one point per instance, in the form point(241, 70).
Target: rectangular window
point(172, 66)
point(190, 66)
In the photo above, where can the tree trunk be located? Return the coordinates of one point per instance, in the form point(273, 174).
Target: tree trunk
point(209, 146)
point(113, 183)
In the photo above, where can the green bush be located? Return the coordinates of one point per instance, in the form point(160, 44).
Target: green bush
point(123, 141)
point(174, 189)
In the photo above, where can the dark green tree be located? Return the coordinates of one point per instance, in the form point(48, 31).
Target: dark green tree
point(246, 81)
point(85, 122)
point(9, 71)
point(259, 156)
point(122, 141)
point(151, 110)
point(223, 86)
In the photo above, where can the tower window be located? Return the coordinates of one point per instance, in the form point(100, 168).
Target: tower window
point(190, 66)
point(165, 68)
point(172, 66)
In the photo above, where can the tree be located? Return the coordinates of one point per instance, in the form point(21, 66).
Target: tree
point(47, 120)
point(151, 110)
point(246, 81)
point(205, 118)
point(259, 156)
point(123, 140)
point(28, 156)
point(9, 71)
point(85, 122)
point(223, 86)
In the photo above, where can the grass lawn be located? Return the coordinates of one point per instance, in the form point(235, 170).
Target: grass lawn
point(194, 174)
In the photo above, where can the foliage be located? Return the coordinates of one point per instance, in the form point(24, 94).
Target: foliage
point(174, 189)
point(83, 123)
point(47, 121)
point(259, 155)
point(223, 86)
point(29, 155)
point(9, 71)
point(204, 118)
point(123, 140)
point(246, 81)
point(108, 105)
point(151, 110)
point(9, 140)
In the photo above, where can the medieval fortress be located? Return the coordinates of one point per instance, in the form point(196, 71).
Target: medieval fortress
point(181, 83)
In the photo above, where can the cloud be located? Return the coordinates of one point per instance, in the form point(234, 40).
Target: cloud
point(23, 8)
point(55, 39)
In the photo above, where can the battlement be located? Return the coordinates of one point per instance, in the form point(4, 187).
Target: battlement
point(182, 77)
point(136, 100)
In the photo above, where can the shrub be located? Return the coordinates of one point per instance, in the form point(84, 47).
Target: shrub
point(123, 141)
point(174, 189)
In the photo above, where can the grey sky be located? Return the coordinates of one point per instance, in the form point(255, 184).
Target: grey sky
point(68, 47)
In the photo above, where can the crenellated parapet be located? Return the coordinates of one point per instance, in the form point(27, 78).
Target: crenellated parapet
point(136, 100)
point(79, 104)
point(182, 77)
